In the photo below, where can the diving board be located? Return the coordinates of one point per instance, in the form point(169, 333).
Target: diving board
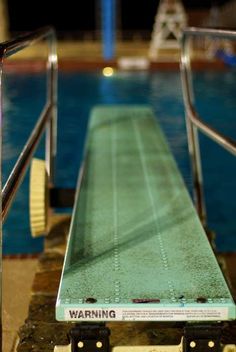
point(136, 248)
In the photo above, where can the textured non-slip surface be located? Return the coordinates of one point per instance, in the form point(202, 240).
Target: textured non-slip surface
point(135, 241)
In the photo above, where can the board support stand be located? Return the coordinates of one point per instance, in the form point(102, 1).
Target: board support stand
point(90, 337)
point(94, 337)
point(202, 338)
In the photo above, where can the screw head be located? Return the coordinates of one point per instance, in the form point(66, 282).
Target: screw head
point(192, 344)
point(211, 344)
point(80, 344)
point(99, 344)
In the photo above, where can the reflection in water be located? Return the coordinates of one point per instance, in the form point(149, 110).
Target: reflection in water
point(23, 99)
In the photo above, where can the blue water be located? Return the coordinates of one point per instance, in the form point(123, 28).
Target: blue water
point(79, 92)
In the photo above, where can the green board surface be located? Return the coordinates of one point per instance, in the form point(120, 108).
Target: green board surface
point(136, 248)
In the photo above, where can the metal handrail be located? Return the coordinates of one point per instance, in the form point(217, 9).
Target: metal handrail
point(46, 121)
point(193, 121)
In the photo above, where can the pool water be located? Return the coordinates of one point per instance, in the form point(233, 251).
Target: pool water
point(79, 92)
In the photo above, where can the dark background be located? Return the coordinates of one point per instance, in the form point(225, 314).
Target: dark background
point(69, 16)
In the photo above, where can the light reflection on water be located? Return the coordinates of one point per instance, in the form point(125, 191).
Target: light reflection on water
point(78, 93)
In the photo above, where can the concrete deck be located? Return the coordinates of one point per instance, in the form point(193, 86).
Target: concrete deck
point(83, 55)
point(18, 277)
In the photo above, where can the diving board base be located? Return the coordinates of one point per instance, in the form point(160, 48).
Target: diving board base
point(151, 348)
point(173, 348)
point(90, 337)
point(178, 348)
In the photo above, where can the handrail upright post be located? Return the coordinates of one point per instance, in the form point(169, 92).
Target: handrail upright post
point(1, 220)
point(48, 116)
point(196, 164)
point(192, 133)
point(51, 131)
point(193, 121)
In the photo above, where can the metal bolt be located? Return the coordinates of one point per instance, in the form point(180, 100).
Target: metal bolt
point(211, 344)
point(80, 344)
point(192, 344)
point(99, 344)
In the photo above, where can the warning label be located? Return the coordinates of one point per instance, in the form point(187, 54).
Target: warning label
point(178, 314)
point(147, 314)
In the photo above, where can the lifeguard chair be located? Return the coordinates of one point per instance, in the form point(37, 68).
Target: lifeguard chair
point(170, 20)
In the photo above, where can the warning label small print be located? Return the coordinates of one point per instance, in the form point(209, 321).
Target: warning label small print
point(147, 314)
